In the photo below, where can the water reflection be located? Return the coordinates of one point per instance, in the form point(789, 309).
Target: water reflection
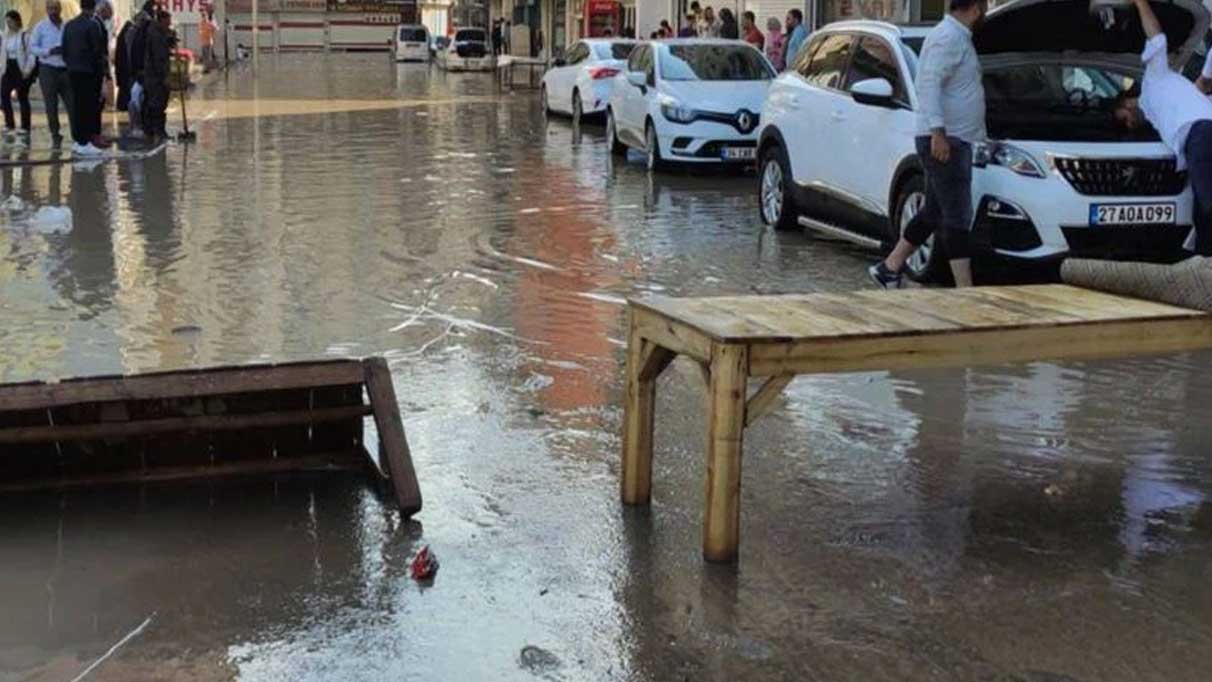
point(1039, 522)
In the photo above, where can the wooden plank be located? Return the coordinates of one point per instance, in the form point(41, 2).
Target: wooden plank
point(725, 437)
point(654, 360)
point(227, 422)
point(193, 383)
point(671, 334)
point(952, 349)
point(351, 461)
point(393, 445)
point(765, 397)
point(639, 413)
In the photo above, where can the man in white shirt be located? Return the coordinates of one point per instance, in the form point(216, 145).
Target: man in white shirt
point(1182, 116)
point(47, 45)
point(950, 120)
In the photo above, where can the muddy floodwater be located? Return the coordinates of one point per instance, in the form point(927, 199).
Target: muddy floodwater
point(1031, 523)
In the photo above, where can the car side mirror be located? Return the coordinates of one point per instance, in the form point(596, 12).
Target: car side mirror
point(637, 78)
point(559, 62)
point(876, 92)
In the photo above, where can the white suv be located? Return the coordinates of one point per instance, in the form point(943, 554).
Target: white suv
point(1058, 177)
point(690, 101)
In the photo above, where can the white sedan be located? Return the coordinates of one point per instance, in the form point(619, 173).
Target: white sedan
point(690, 101)
point(580, 83)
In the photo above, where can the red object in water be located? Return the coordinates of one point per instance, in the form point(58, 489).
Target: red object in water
point(424, 564)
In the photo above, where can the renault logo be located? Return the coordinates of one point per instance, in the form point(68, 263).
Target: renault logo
point(744, 121)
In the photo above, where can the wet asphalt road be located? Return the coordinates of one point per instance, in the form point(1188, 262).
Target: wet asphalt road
point(1036, 523)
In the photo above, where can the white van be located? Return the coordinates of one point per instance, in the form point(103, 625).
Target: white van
point(411, 43)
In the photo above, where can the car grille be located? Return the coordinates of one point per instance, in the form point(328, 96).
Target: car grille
point(1150, 243)
point(1122, 177)
point(473, 50)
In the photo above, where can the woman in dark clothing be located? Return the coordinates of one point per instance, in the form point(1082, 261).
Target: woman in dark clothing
point(18, 64)
point(728, 27)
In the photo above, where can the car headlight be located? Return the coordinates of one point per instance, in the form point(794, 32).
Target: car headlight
point(1017, 160)
point(676, 112)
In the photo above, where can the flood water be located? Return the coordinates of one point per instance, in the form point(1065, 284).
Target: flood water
point(1033, 523)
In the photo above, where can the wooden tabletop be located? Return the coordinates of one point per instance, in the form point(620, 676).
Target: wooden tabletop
point(905, 312)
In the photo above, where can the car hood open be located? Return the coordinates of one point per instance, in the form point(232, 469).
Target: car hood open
point(1068, 28)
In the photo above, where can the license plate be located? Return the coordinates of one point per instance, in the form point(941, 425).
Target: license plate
point(1133, 214)
point(740, 153)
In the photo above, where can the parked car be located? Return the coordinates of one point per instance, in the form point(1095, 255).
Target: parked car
point(468, 51)
point(411, 43)
point(580, 83)
point(1058, 176)
point(689, 101)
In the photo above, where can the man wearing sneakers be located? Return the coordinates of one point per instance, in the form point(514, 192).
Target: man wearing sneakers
point(950, 120)
point(86, 55)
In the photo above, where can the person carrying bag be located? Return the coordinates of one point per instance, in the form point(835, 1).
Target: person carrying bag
point(20, 69)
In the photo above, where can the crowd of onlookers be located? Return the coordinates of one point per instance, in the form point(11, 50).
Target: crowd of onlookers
point(78, 62)
point(781, 41)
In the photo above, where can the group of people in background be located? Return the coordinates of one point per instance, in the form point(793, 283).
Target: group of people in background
point(71, 62)
point(781, 42)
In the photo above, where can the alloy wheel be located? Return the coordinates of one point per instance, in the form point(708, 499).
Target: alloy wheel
point(920, 259)
point(772, 192)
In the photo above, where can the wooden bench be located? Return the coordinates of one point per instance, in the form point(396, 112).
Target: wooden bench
point(222, 421)
point(778, 337)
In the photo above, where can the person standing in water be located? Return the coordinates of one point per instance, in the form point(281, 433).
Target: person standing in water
point(47, 45)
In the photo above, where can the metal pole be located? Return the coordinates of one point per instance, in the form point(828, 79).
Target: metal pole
point(256, 33)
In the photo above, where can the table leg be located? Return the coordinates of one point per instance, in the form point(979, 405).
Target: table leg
point(645, 362)
point(726, 428)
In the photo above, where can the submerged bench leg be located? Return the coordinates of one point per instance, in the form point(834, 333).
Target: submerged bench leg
point(725, 432)
point(645, 362)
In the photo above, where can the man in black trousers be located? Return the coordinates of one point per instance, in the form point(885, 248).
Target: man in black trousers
point(85, 53)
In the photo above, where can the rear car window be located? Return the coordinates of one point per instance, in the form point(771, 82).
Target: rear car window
point(412, 35)
point(714, 63)
point(619, 51)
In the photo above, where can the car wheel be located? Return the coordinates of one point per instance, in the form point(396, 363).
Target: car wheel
point(775, 199)
point(928, 264)
point(652, 148)
point(577, 110)
point(612, 135)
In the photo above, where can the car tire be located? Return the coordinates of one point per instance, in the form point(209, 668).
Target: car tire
point(652, 149)
point(577, 108)
point(928, 265)
point(776, 203)
point(543, 101)
point(612, 135)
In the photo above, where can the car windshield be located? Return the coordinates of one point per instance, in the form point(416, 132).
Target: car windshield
point(713, 63)
point(409, 34)
point(470, 35)
point(617, 51)
point(1058, 102)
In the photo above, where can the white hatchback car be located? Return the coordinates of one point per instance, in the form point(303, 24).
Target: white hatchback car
point(580, 83)
point(691, 101)
point(469, 50)
point(411, 43)
point(1057, 178)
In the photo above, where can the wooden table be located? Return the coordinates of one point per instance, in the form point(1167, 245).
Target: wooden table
point(778, 337)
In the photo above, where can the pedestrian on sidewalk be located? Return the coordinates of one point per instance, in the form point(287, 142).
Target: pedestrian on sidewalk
point(728, 26)
point(135, 47)
point(753, 34)
point(797, 36)
point(1182, 116)
point(687, 29)
point(85, 56)
point(709, 26)
point(122, 74)
point(160, 43)
point(206, 37)
point(19, 63)
point(47, 46)
point(950, 120)
point(774, 44)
